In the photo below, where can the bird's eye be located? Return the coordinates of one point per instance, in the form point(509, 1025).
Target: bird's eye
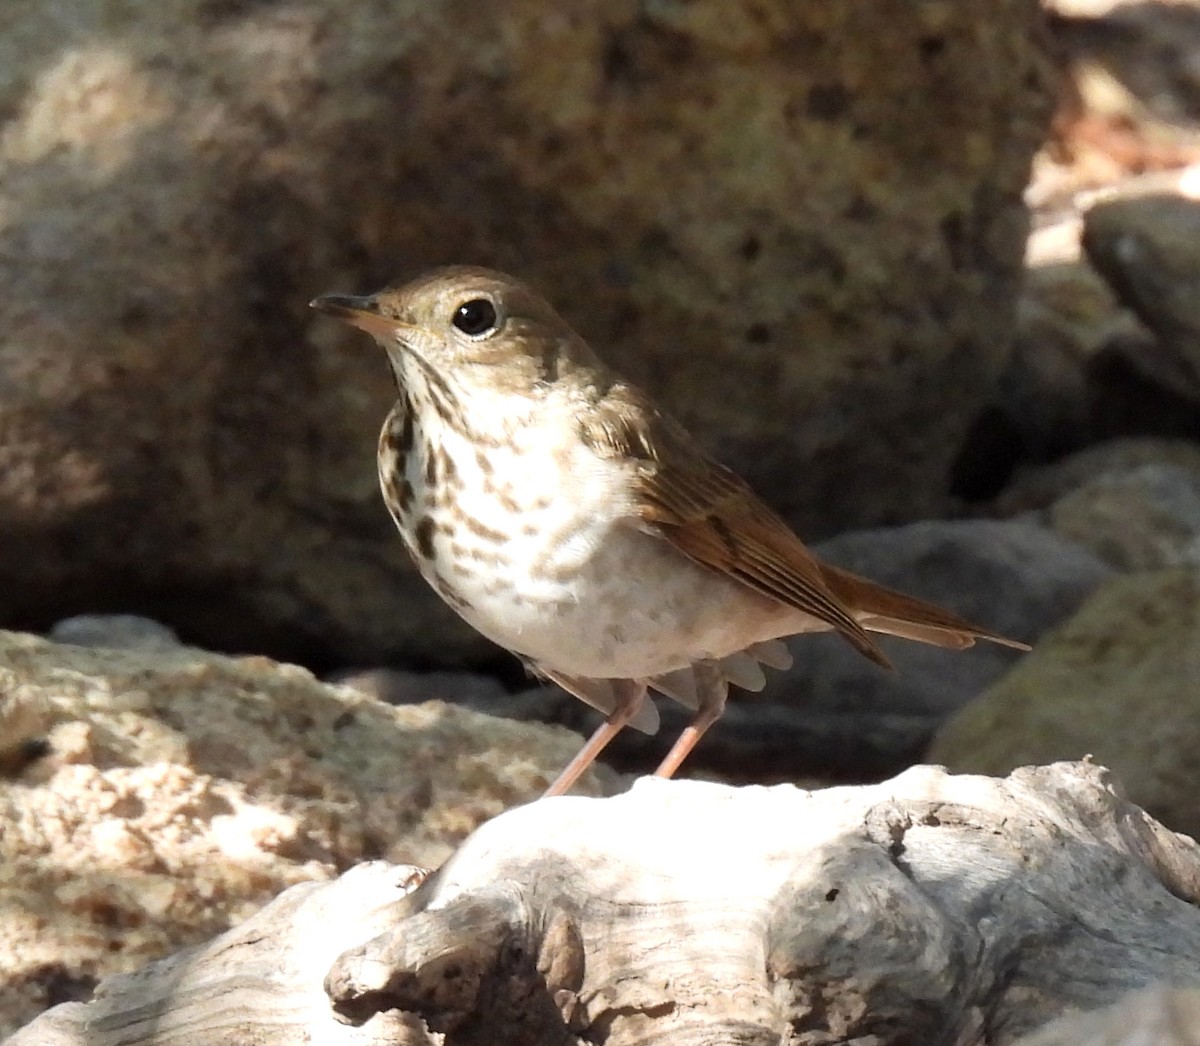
point(476, 318)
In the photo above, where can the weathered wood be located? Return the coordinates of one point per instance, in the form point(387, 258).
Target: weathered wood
point(259, 983)
point(930, 908)
point(1158, 1016)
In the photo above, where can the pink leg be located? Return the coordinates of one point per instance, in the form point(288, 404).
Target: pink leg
point(712, 689)
point(626, 709)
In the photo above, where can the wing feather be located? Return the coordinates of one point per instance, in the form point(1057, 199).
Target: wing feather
point(711, 515)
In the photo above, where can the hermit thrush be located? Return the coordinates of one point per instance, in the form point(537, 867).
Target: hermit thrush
point(567, 518)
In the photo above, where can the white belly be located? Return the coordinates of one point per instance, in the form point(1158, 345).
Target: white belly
point(575, 585)
point(630, 608)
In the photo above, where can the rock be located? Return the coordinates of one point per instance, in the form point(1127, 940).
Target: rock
point(116, 631)
point(1143, 519)
point(1066, 317)
point(1135, 503)
point(1036, 488)
point(1117, 681)
point(1147, 250)
point(1148, 50)
point(1161, 1016)
point(1083, 370)
point(396, 687)
point(1009, 576)
point(183, 790)
point(834, 714)
point(1084, 8)
point(705, 191)
point(24, 719)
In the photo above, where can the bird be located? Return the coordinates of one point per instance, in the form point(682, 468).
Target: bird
point(569, 519)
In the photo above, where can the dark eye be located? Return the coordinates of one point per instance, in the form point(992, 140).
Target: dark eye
point(476, 317)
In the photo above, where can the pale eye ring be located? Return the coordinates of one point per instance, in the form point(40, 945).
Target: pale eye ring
point(476, 318)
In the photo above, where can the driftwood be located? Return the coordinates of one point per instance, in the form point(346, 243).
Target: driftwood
point(928, 909)
point(1159, 1016)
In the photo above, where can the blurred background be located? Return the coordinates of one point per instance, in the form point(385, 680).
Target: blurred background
point(927, 274)
point(803, 227)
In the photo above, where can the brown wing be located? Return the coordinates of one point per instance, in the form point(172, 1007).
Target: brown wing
point(710, 514)
point(713, 516)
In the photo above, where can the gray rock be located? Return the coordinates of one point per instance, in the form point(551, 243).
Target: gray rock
point(1084, 370)
point(1143, 519)
point(1013, 577)
point(1007, 575)
point(115, 631)
point(1106, 346)
point(1037, 488)
point(1134, 502)
point(1147, 249)
point(1067, 315)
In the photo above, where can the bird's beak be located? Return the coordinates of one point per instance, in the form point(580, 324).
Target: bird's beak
point(363, 312)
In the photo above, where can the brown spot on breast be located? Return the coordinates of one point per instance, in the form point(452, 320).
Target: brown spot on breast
point(451, 595)
point(449, 469)
point(461, 555)
point(396, 436)
point(423, 533)
point(405, 442)
point(441, 403)
point(508, 502)
point(391, 474)
point(482, 530)
point(391, 494)
point(461, 560)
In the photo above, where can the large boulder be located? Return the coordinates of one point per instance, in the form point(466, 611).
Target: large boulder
point(800, 224)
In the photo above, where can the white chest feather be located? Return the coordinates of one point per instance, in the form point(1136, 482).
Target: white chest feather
point(533, 539)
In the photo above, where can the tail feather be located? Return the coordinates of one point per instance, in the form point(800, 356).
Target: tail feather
point(773, 653)
point(931, 634)
point(602, 695)
point(744, 671)
point(881, 609)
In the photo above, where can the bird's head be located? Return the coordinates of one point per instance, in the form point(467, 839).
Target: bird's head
point(468, 325)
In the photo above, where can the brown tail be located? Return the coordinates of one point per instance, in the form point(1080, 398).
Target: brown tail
point(880, 609)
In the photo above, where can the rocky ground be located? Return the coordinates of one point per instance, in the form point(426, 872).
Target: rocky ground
point(158, 794)
point(155, 793)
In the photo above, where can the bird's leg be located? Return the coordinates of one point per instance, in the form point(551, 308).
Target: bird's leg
point(711, 689)
point(629, 703)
